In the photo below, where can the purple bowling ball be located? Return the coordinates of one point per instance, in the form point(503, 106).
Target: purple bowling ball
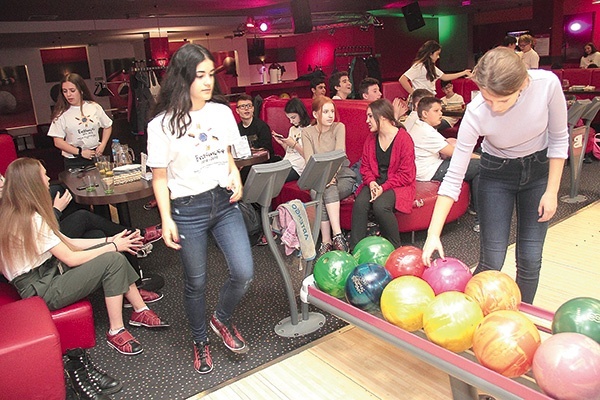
point(447, 274)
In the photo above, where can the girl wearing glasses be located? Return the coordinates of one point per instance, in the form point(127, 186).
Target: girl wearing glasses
point(521, 164)
point(197, 186)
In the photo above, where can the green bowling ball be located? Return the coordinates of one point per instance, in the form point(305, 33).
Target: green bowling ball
point(580, 315)
point(373, 249)
point(331, 272)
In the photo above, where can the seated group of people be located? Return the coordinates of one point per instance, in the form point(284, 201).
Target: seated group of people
point(394, 157)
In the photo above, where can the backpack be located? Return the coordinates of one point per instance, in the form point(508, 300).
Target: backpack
point(596, 148)
point(252, 221)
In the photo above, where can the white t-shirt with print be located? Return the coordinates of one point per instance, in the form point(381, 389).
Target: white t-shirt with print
point(418, 77)
point(198, 161)
point(79, 126)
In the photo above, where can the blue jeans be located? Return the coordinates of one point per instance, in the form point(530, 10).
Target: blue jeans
point(504, 184)
point(197, 216)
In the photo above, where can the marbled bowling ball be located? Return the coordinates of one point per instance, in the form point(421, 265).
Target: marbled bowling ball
point(446, 274)
point(405, 260)
point(365, 285)
point(494, 290)
point(566, 366)
point(506, 342)
point(331, 272)
point(450, 320)
point(403, 301)
point(373, 249)
point(581, 315)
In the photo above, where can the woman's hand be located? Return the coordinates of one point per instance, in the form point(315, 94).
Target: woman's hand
point(467, 73)
point(547, 207)
point(376, 190)
point(432, 244)
point(400, 107)
point(61, 202)
point(127, 241)
point(235, 186)
point(170, 234)
point(88, 153)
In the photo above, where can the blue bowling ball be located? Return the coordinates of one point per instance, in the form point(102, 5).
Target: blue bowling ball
point(365, 285)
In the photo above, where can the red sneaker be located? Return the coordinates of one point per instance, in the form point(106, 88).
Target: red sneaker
point(202, 360)
point(147, 318)
point(152, 234)
point(232, 338)
point(124, 343)
point(147, 296)
point(150, 205)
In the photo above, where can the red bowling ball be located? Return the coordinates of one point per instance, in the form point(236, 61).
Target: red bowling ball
point(405, 260)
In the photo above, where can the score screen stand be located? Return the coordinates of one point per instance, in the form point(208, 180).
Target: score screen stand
point(264, 182)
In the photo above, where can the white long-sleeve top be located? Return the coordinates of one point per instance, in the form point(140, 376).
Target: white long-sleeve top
point(538, 120)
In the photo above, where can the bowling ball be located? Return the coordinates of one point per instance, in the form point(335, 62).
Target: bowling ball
point(373, 249)
point(403, 301)
point(365, 285)
point(566, 366)
point(447, 274)
point(505, 342)
point(581, 315)
point(405, 260)
point(331, 272)
point(450, 320)
point(494, 290)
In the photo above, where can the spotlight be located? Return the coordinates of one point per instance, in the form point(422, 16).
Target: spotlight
point(364, 28)
point(575, 27)
point(263, 27)
point(238, 33)
point(249, 22)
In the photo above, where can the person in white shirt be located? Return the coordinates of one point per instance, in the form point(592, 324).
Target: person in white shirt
point(522, 117)
point(433, 152)
point(413, 117)
point(528, 54)
point(299, 118)
point(590, 57)
point(423, 73)
point(452, 101)
point(76, 122)
point(197, 187)
point(340, 86)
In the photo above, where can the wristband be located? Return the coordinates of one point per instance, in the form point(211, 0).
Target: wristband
point(80, 150)
point(106, 240)
point(116, 248)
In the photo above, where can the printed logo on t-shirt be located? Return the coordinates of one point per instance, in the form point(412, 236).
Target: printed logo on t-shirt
point(84, 120)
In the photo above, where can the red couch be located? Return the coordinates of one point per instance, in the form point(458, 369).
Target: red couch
point(8, 152)
point(75, 323)
point(353, 114)
point(30, 352)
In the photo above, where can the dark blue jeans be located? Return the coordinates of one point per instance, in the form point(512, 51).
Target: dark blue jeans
point(196, 217)
point(503, 185)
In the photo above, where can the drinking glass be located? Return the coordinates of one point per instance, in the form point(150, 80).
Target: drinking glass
point(108, 184)
point(89, 181)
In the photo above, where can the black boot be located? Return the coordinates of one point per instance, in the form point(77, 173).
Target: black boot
point(105, 382)
point(80, 381)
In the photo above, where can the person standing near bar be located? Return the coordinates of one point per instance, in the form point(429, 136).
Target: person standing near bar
point(521, 164)
point(76, 123)
point(197, 186)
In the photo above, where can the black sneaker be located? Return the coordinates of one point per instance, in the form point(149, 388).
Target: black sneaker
point(202, 360)
point(339, 243)
point(232, 338)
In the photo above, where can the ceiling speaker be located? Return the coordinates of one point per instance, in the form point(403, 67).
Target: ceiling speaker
point(301, 16)
point(413, 17)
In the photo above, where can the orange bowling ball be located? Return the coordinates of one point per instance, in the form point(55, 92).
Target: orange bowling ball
point(403, 301)
point(494, 290)
point(450, 320)
point(506, 342)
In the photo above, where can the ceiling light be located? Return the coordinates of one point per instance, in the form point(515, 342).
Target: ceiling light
point(263, 27)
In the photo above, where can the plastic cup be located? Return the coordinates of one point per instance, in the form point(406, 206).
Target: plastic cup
point(108, 184)
point(89, 181)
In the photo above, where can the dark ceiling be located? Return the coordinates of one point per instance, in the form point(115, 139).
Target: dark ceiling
point(41, 23)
